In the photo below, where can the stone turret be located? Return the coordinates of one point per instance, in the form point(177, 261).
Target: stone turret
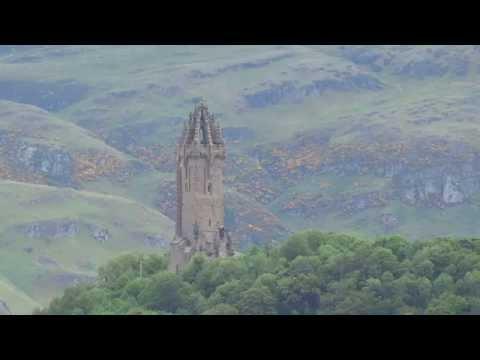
point(200, 194)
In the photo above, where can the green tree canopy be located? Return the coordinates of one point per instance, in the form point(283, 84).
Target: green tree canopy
point(310, 273)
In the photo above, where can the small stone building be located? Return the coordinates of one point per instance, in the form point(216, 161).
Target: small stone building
point(200, 194)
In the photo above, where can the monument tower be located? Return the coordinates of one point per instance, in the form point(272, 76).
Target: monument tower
point(200, 196)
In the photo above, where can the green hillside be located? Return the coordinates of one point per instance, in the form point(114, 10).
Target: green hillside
point(366, 140)
point(18, 301)
point(51, 237)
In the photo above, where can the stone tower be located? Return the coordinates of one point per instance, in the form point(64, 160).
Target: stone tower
point(200, 196)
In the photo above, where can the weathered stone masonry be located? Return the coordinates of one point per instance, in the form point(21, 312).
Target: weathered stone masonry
point(200, 194)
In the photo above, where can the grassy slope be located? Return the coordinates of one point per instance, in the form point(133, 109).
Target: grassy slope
point(42, 127)
point(115, 69)
point(17, 300)
point(80, 254)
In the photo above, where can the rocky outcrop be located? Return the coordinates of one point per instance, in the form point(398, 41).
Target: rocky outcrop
point(155, 241)
point(418, 172)
point(311, 206)
point(31, 150)
point(63, 229)
point(41, 164)
point(422, 69)
point(129, 136)
point(247, 65)
point(56, 165)
point(90, 165)
point(51, 96)
point(389, 222)
point(47, 261)
point(418, 62)
point(4, 309)
point(359, 202)
point(435, 187)
point(54, 229)
point(62, 280)
point(101, 235)
point(290, 91)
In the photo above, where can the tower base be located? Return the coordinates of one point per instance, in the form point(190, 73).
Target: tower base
point(180, 254)
point(181, 251)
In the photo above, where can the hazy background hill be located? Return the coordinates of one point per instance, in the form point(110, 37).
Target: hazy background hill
point(370, 140)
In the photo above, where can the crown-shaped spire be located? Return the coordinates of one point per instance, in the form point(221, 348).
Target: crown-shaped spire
point(201, 127)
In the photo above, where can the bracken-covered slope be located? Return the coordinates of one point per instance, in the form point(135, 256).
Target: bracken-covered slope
point(37, 147)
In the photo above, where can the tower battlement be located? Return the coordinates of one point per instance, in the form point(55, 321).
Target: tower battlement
point(200, 194)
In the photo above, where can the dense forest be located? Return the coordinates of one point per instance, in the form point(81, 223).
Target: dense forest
point(310, 273)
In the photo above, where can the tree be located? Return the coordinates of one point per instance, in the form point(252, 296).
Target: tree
point(135, 287)
point(398, 245)
point(443, 253)
point(327, 252)
point(310, 273)
point(270, 281)
point(141, 311)
point(154, 263)
point(222, 309)
point(299, 293)
point(119, 271)
point(218, 272)
point(443, 283)
point(296, 245)
point(315, 239)
point(257, 301)
point(304, 265)
point(228, 293)
point(381, 298)
point(257, 262)
point(380, 260)
point(194, 267)
point(356, 303)
point(416, 292)
point(423, 267)
point(447, 304)
point(470, 284)
point(165, 292)
point(73, 300)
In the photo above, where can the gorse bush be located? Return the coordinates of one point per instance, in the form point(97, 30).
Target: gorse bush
point(310, 273)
